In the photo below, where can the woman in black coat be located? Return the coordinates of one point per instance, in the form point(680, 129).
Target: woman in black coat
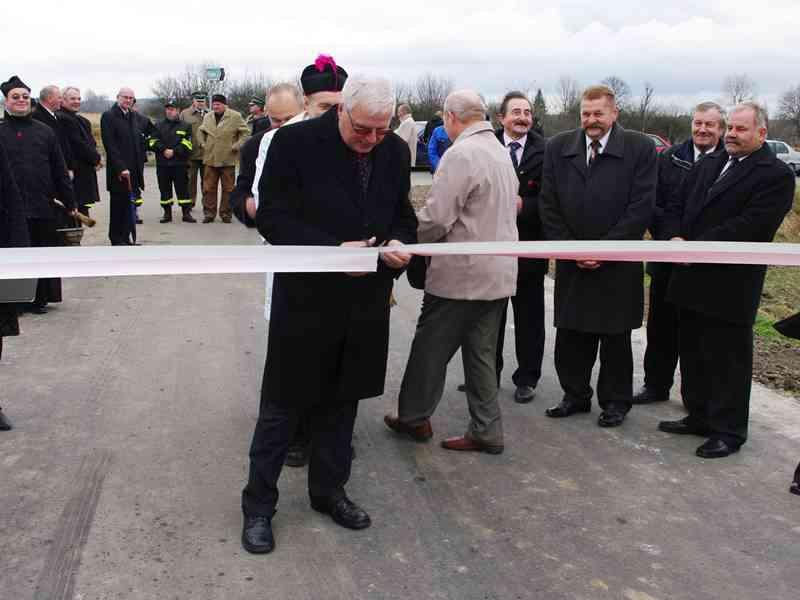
point(13, 232)
point(790, 327)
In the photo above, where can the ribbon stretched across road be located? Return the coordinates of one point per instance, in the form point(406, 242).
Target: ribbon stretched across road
point(101, 261)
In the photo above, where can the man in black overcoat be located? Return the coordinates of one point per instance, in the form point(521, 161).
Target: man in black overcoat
point(47, 111)
point(341, 179)
point(40, 173)
point(84, 157)
point(526, 151)
point(122, 138)
point(599, 183)
point(740, 194)
point(13, 233)
point(661, 356)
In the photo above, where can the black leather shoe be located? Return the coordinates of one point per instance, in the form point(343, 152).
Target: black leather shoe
point(715, 448)
point(208, 219)
point(682, 427)
point(344, 511)
point(566, 408)
point(297, 456)
point(257, 535)
point(38, 309)
point(462, 387)
point(611, 418)
point(795, 488)
point(648, 395)
point(5, 424)
point(524, 394)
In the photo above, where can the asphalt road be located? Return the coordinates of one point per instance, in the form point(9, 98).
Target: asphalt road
point(135, 400)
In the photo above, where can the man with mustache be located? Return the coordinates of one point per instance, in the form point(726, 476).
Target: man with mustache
point(599, 183)
point(661, 356)
point(739, 194)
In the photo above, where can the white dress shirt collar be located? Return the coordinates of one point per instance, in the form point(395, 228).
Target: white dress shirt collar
point(603, 141)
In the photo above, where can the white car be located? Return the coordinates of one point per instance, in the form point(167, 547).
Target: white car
point(787, 154)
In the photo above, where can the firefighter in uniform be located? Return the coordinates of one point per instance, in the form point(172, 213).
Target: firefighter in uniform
point(171, 142)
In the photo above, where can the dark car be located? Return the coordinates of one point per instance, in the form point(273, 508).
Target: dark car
point(422, 164)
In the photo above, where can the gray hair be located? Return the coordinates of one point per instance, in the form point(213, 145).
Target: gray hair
point(286, 88)
point(373, 94)
point(707, 106)
point(70, 88)
point(759, 112)
point(48, 92)
point(466, 105)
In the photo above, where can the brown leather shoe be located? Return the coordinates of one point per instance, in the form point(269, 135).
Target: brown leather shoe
point(421, 433)
point(464, 443)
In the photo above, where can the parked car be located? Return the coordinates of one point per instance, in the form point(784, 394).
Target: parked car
point(661, 143)
point(422, 164)
point(786, 153)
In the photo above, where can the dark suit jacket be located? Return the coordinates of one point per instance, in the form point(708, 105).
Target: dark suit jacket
point(13, 233)
point(529, 223)
point(122, 139)
point(747, 205)
point(244, 182)
point(84, 156)
point(611, 201)
point(41, 114)
point(330, 331)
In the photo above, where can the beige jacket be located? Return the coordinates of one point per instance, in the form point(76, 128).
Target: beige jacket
point(473, 199)
point(221, 143)
point(195, 119)
point(407, 130)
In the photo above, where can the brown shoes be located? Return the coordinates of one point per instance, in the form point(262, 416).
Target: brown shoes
point(421, 433)
point(467, 444)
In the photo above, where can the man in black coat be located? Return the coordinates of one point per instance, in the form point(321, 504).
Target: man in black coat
point(84, 157)
point(47, 111)
point(122, 139)
point(13, 233)
point(661, 356)
point(40, 173)
point(526, 151)
point(599, 183)
point(171, 142)
point(740, 194)
point(341, 179)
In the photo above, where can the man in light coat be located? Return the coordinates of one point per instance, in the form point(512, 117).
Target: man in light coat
point(473, 199)
point(407, 130)
point(222, 134)
point(194, 115)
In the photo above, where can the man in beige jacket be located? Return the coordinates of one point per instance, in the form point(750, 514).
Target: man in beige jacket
point(473, 199)
point(407, 130)
point(194, 115)
point(221, 135)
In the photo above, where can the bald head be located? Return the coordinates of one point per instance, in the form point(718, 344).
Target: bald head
point(284, 102)
point(462, 108)
point(125, 98)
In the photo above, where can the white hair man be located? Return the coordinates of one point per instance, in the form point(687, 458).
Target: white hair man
point(473, 199)
point(339, 180)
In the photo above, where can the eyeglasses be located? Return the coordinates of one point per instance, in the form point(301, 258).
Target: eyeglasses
point(360, 130)
point(19, 96)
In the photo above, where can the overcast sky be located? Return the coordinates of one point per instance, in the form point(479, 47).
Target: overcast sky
point(685, 48)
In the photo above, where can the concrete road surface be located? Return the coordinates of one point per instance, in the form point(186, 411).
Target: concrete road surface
point(134, 403)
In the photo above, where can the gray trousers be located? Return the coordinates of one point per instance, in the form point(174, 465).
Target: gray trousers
point(443, 327)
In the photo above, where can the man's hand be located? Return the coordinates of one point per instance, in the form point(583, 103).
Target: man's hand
point(589, 265)
point(169, 153)
point(519, 204)
point(395, 260)
point(71, 174)
point(359, 244)
point(678, 238)
point(126, 174)
point(250, 207)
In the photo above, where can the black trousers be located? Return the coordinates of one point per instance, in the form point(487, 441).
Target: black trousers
point(120, 224)
point(331, 429)
point(529, 331)
point(575, 355)
point(661, 356)
point(173, 177)
point(43, 233)
point(716, 373)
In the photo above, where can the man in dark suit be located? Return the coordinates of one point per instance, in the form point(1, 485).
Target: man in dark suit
point(341, 179)
point(526, 151)
point(47, 112)
point(599, 183)
point(85, 160)
point(674, 163)
point(122, 138)
point(740, 194)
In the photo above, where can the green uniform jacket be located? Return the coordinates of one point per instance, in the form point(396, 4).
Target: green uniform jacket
point(195, 119)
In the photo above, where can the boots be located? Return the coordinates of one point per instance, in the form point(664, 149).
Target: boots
point(187, 214)
point(167, 218)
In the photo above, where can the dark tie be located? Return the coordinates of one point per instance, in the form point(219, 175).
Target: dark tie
point(731, 165)
point(594, 151)
point(364, 165)
point(512, 150)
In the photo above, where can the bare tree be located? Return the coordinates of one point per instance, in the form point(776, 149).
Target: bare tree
point(568, 95)
point(621, 89)
point(645, 104)
point(93, 103)
point(430, 93)
point(180, 87)
point(240, 91)
point(789, 108)
point(738, 88)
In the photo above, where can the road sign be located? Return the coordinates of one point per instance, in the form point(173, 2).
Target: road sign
point(215, 73)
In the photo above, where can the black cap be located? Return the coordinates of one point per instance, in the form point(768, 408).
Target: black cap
point(258, 101)
point(13, 83)
point(323, 76)
point(219, 98)
point(198, 95)
point(171, 102)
